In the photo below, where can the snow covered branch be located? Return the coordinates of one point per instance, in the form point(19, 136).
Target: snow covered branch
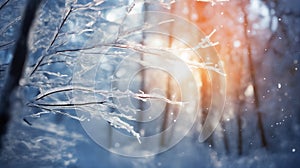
point(213, 2)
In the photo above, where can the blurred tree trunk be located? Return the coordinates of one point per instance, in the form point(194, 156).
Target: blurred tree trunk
point(240, 99)
point(15, 70)
point(205, 92)
point(253, 76)
point(225, 136)
point(169, 85)
point(240, 124)
point(143, 74)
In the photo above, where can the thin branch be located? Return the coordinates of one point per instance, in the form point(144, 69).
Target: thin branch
point(10, 24)
point(4, 4)
point(55, 111)
point(69, 10)
point(68, 104)
point(140, 96)
point(7, 45)
point(213, 2)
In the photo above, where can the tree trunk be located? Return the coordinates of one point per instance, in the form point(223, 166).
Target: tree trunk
point(15, 70)
point(253, 78)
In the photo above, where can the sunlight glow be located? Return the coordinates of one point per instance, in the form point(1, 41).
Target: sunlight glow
point(249, 91)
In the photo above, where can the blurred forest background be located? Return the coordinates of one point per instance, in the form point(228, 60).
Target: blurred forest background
point(258, 43)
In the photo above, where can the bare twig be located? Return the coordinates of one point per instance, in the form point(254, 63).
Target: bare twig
point(68, 12)
point(2, 5)
point(7, 44)
point(68, 104)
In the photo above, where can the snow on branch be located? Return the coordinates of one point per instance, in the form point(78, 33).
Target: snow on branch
point(126, 108)
point(164, 3)
point(207, 66)
point(145, 26)
point(205, 42)
point(118, 48)
point(213, 2)
point(109, 94)
point(115, 119)
point(116, 122)
point(55, 111)
point(144, 97)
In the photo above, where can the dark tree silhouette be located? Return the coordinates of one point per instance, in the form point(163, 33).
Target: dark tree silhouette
point(16, 66)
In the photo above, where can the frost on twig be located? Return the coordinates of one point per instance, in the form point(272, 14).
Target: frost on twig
point(207, 66)
point(109, 94)
point(116, 122)
point(115, 119)
point(114, 42)
point(167, 3)
point(121, 108)
point(213, 2)
point(144, 97)
point(163, 3)
point(145, 26)
point(205, 42)
point(46, 110)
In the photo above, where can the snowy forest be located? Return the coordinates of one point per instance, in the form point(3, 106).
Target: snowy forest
point(150, 83)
